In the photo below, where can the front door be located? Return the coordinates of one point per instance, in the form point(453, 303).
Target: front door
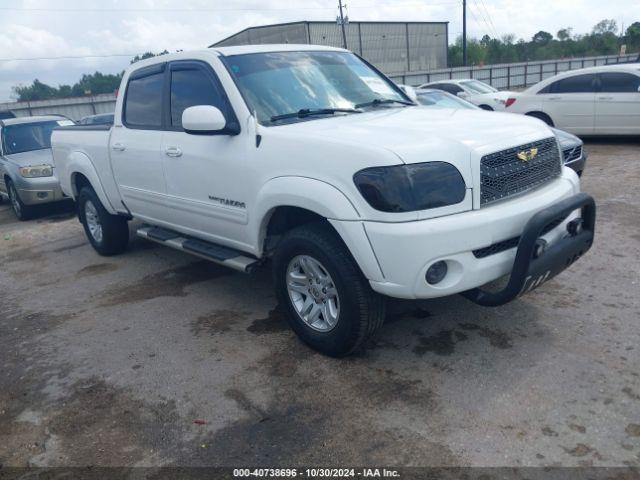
point(135, 143)
point(570, 102)
point(205, 194)
point(618, 104)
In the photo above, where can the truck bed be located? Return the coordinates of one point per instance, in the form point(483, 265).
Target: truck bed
point(85, 149)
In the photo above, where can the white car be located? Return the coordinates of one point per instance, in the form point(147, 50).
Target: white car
point(474, 91)
point(591, 101)
point(310, 157)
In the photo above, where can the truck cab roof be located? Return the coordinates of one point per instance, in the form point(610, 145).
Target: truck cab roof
point(235, 50)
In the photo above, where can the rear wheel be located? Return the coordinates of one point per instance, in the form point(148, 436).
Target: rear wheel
point(108, 234)
point(328, 301)
point(486, 107)
point(541, 116)
point(22, 212)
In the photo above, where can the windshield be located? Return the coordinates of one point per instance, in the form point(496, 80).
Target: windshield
point(25, 137)
point(442, 100)
point(279, 83)
point(478, 87)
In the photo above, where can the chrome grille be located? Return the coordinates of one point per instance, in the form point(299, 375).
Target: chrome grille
point(503, 174)
point(571, 154)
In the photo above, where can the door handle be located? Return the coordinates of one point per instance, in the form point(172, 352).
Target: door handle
point(118, 147)
point(173, 152)
point(605, 98)
point(555, 98)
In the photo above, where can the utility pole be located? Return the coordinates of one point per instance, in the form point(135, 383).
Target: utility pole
point(344, 35)
point(464, 33)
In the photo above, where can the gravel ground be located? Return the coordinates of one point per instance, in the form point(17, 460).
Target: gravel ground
point(154, 358)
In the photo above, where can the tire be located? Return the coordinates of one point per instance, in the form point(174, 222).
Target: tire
point(108, 234)
point(22, 212)
point(541, 116)
point(360, 310)
point(487, 108)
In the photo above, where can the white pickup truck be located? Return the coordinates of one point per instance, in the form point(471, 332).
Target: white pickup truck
point(312, 158)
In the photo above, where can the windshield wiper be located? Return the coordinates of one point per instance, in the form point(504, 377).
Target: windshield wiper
point(382, 101)
point(307, 112)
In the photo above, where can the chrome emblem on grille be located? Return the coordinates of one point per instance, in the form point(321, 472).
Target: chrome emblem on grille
point(527, 155)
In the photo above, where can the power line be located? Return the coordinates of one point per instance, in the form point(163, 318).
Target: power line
point(197, 10)
point(65, 57)
point(495, 31)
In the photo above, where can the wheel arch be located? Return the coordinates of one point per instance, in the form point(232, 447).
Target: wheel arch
point(540, 115)
point(81, 172)
point(288, 202)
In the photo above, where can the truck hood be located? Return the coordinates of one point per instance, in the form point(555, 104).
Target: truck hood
point(424, 130)
point(33, 157)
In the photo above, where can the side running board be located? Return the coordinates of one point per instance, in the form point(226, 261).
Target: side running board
point(209, 251)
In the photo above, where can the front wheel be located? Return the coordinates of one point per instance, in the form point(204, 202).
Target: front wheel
point(108, 234)
point(328, 301)
point(22, 212)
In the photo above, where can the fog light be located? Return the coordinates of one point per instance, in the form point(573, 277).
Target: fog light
point(436, 272)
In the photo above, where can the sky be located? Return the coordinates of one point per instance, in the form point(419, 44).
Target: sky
point(37, 29)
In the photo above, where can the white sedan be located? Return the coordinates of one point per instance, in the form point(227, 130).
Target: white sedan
point(474, 91)
point(590, 101)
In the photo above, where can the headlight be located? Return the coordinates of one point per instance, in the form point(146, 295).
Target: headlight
point(37, 171)
point(408, 188)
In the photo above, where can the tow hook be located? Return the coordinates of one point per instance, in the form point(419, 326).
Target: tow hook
point(574, 226)
point(540, 247)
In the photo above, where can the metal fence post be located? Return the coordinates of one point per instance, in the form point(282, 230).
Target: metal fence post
point(508, 77)
point(526, 74)
point(491, 76)
point(406, 30)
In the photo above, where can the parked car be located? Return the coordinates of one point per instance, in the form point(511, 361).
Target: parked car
point(475, 91)
point(27, 174)
point(310, 157)
point(99, 119)
point(590, 101)
point(573, 151)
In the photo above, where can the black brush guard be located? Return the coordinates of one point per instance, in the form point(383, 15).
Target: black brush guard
point(529, 272)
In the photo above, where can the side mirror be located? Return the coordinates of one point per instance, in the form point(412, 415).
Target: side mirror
point(203, 119)
point(410, 92)
point(462, 95)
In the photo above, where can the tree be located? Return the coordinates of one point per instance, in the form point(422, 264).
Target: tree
point(146, 55)
point(605, 26)
point(564, 34)
point(36, 91)
point(542, 38)
point(632, 35)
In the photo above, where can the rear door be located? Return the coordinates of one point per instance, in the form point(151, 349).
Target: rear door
point(205, 189)
point(570, 102)
point(618, 104)
point(135, 145)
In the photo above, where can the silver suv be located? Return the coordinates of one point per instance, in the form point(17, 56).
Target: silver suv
point(27, 174)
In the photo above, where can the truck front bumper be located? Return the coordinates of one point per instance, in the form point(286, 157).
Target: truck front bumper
point(405, 251)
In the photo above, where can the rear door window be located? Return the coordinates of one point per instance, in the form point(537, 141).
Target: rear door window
point(619, 82)
point(143, 102)
point(576, 84)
